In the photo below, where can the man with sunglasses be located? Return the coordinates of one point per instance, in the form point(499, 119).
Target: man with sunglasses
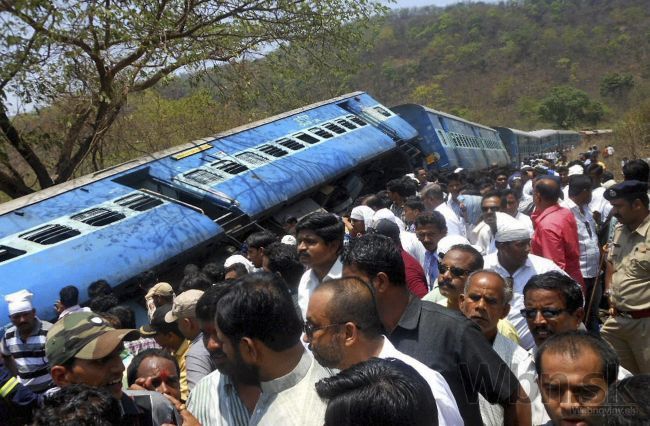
point(483, 233)
point(454, 268)
point(516, 265)
point(553, 304)
point(343, 329)
point(441, 339)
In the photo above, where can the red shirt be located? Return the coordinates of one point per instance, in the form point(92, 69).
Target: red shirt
point(556, 238)
point(415, 278)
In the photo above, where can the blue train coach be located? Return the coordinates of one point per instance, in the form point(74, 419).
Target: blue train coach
point(449, 142)
point(167, 207)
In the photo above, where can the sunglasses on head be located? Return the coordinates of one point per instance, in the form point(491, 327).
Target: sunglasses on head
point(456, 272)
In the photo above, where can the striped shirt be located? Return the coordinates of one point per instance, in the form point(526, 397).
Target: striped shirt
point(214, 402)
point(29, 356)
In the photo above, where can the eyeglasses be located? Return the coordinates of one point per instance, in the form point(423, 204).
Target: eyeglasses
point(456, 272)
point(311, 328)
point(548, 313)
point(487, 209)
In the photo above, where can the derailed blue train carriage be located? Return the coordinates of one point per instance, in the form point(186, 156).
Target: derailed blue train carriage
point(155, 212)
point(448, 142)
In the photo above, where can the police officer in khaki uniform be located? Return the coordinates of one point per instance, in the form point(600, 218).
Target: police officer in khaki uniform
point(627, 281)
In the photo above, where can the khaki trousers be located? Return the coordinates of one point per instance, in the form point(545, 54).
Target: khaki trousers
point(630, 338)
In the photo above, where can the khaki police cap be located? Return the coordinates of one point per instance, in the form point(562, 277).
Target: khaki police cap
point(184, 305)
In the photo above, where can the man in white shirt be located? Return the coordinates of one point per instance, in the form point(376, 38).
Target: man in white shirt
point(259, 331)
point(434, 200)
point(598, 205)
point(68, 302)
point(485, 301)
point(515, 264)
point(320, 242)
point(578, 202)
point(343, 328)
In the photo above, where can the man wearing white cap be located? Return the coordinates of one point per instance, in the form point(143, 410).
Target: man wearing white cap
point(515, 264)
point(361, 220)
point(23, 345)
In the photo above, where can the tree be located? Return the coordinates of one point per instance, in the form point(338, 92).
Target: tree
point(567, 107)
point(616, 85)
point(87, 57)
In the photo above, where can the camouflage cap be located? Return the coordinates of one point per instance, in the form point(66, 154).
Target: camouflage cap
point(83, 335)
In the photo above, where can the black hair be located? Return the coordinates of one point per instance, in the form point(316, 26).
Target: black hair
point(562, 169)
point(405, 187)
point(477, 257)
point(549, 192)
point(372, 254)
point(353, 300)
point(563, 284)
point(455, 176)
point(191, 269)
point(378, 392)
point(99, 288)
point(578, 184)
point(434, 218)
point(414, 203)
point(574, 343)
point(628, 401)
point(595, 168)
point(506, 192)
point(148, 279)
point(259, 306)
point(607, 176)
point(283, 259)
point(491, 194)
point(486, 183)
point(239, 268)
point(198, 281)
point(636, 170)
point(376, 203)
point(132, 371)
point(213, 271)
point(206, 306)
point(327, 226)
point(103, 303)
point(79, 405)
point(261, 239)
point(69, 296)
point(124, 314)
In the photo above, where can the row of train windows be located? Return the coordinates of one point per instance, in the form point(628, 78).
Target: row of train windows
point(464, 141)
point(295, 142)
point(98, 216)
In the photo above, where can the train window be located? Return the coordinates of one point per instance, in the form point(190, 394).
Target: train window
point(7, 253)
point(203, 177)
point(382, 111)
point(289, 143)
point(357, 120)
point(273, 150)
point(229, 167)
point(50, 234)
point(98, 217)
point(347, 124)
point(306, 138)
point(321, 132)
point(139, 202)
point(334, 128)
point(252, 158)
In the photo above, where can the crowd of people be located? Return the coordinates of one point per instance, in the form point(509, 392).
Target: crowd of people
point(500, 297)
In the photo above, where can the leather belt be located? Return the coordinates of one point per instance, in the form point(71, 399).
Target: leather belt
point(644, 313)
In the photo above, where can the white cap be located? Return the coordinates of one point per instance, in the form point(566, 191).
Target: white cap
point(576, 169)
point(448, 242)
point(20, 301)
point(364, 213)
point(458, 170)
point(289, 240)
point(388, 215)
point(510, 229)
point(238, 258)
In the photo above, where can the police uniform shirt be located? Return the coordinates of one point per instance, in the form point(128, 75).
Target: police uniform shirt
point(630, 255)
